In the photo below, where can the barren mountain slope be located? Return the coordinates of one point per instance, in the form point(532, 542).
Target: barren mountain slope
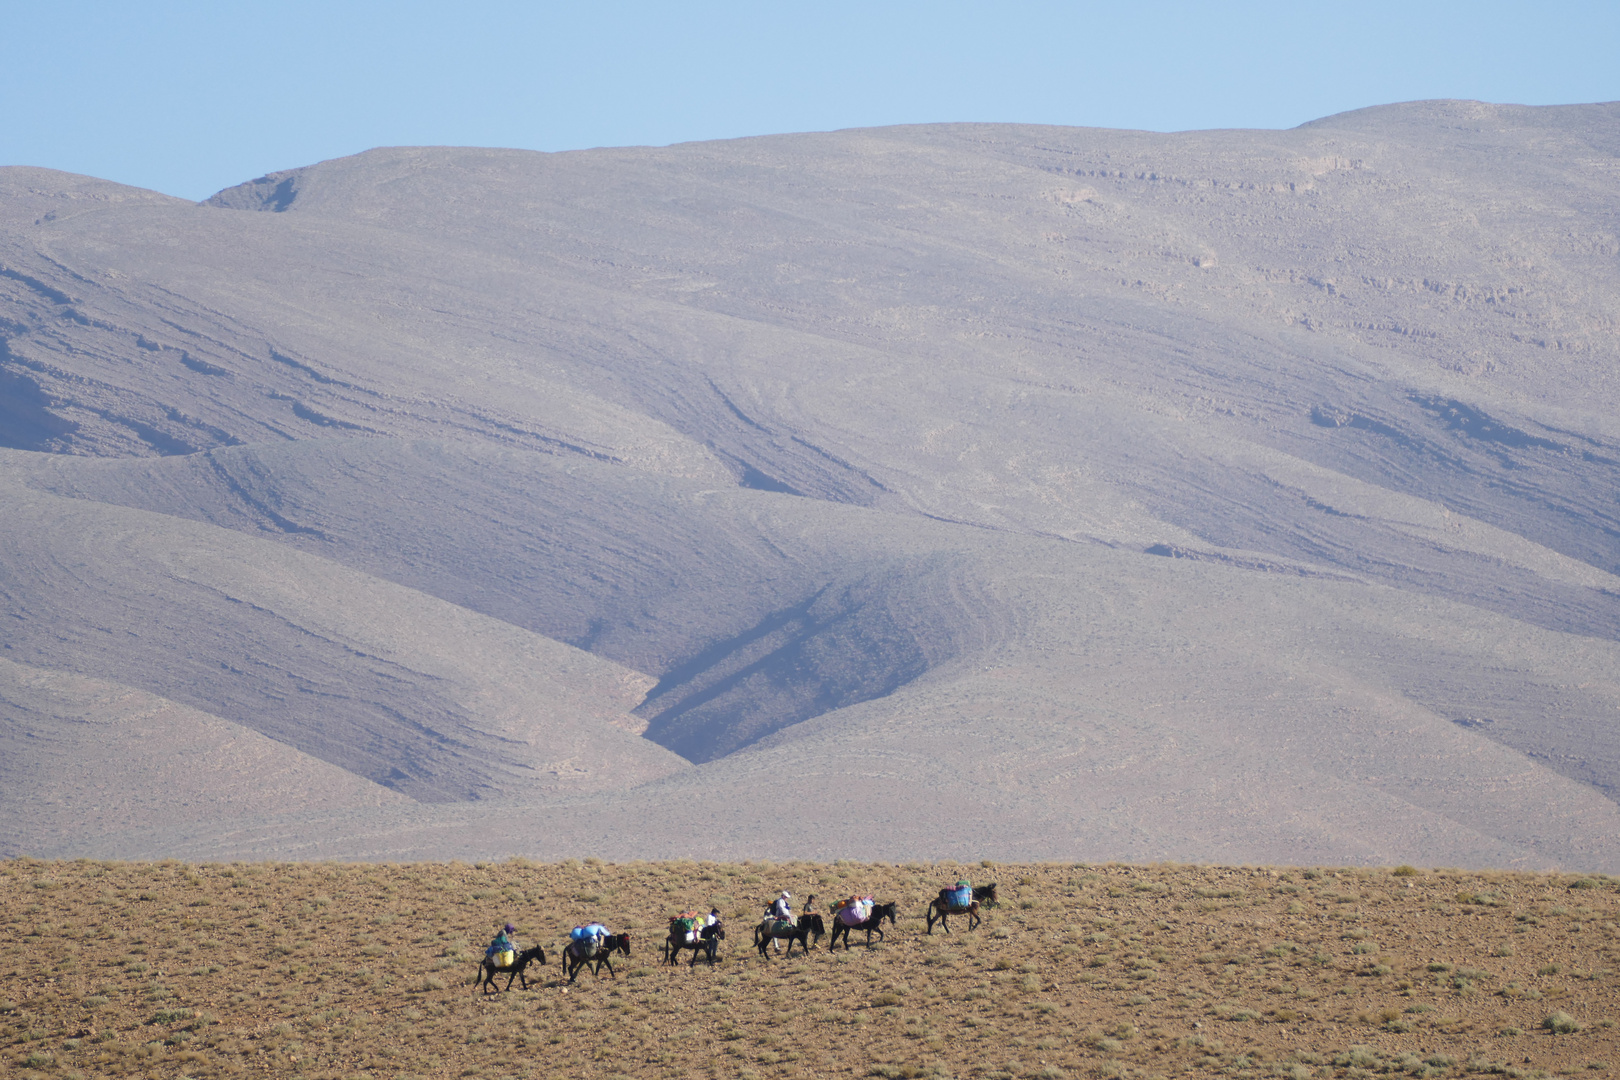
point(1246, 495)
point(1106, 725)
point(80, 757)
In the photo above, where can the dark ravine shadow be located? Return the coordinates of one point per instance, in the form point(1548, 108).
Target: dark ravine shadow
point(842, 645)
point(1553, 493)
point(26, 420)
point(273, 193)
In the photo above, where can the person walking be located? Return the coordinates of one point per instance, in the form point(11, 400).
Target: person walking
point(709, 935)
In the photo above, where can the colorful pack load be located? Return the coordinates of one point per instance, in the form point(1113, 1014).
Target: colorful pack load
point(506, 958)
point(588, 937)
point(961, 897)
point(854, 911)
point(689, 923)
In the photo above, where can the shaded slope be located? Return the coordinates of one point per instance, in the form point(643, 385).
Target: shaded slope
point(81, 757)
point(754, 611)
point(392, 685)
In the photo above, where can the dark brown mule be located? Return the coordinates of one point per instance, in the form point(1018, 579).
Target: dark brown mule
point(799, 931)
point(488, 969)
point(940, 911)
point(874, 922)
point(574, 958)
point(709, 939)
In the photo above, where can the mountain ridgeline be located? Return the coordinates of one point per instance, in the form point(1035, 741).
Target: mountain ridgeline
point(913, 492)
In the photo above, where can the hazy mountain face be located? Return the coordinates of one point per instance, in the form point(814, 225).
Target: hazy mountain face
point(1035, 492)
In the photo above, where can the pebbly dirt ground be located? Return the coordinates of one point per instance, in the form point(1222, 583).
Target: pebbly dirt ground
point(349, 970)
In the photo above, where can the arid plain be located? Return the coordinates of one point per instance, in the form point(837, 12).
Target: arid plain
point(923, 492)
point(327, 970)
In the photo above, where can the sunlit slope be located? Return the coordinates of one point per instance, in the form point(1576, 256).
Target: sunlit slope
point(934, 319)
point(1240, 495)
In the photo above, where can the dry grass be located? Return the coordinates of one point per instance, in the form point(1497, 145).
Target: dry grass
point(341, 970)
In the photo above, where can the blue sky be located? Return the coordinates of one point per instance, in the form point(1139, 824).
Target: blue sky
point(189, 97)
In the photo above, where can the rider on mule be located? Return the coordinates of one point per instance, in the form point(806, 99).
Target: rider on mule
point(782, 911)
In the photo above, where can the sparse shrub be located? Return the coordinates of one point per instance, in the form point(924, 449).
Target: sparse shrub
point(1404, 870)
point(170, 1016)
point(1561, 1023)
point(1359, 1057)
point(1217, 894)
